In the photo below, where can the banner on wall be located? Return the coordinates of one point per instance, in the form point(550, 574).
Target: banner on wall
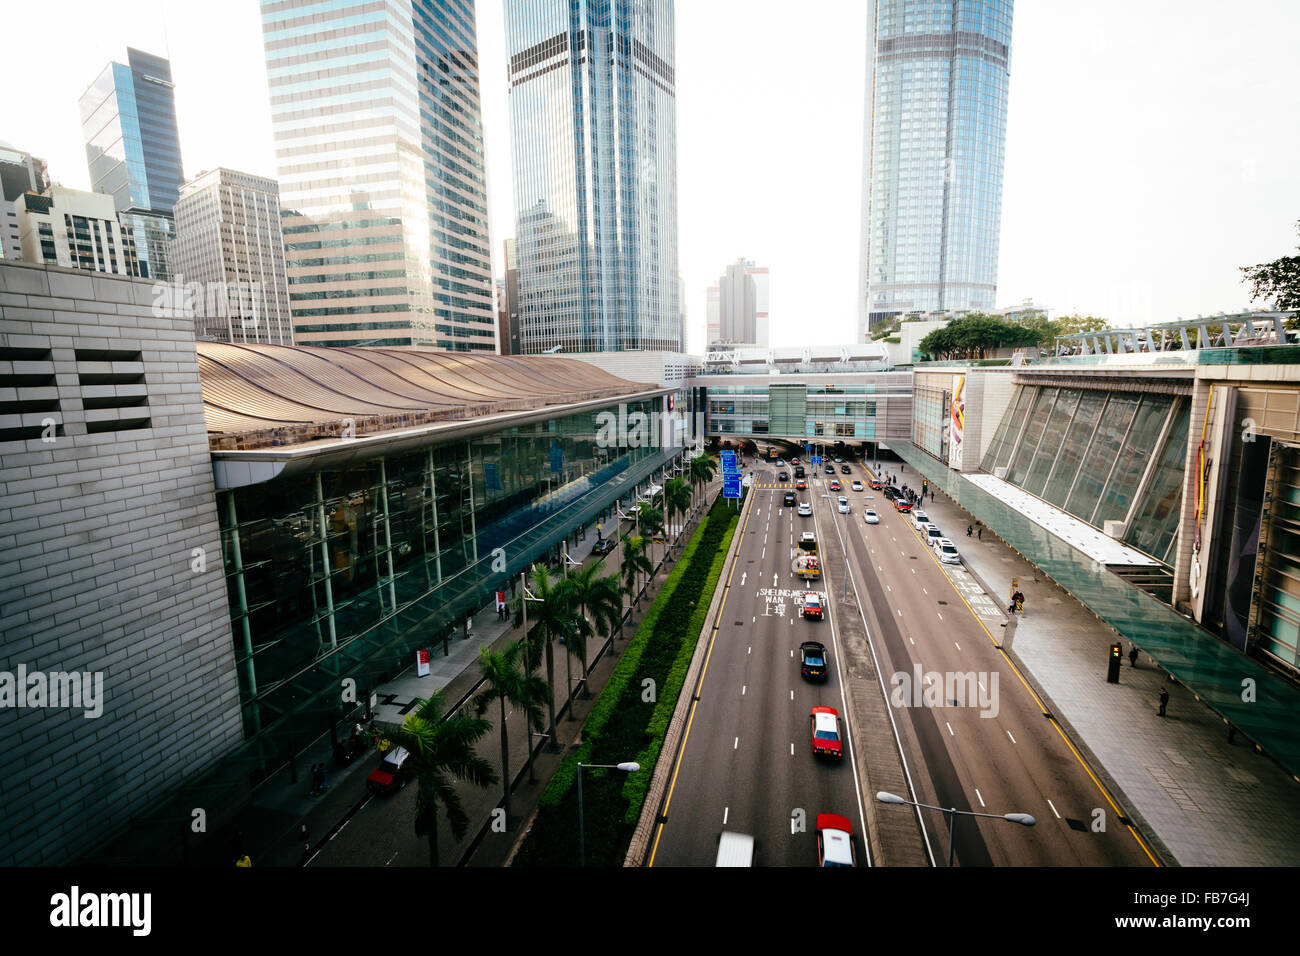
point(957, 422)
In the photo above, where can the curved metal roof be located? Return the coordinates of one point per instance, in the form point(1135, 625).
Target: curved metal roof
point(256, 396)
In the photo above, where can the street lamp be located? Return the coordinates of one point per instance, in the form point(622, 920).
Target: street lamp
point(627, 767)
point(1024, 819)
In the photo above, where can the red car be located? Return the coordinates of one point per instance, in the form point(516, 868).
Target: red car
point(801, 484)
point(902, 504)
point(834, 485)
point(812, 605)
point(825, 727)
point(835, 841)
point(393, 772)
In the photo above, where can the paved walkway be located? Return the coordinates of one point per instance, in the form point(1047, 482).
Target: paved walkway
point(1207, 801)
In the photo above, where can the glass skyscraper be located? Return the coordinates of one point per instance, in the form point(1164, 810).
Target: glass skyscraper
point(379, 142)
point(935, 133)
point(128, 120)
point(593, 128)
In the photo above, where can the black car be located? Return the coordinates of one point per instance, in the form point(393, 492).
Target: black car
point(603, 546)
point(845, 470)
point(812, 660)
point(784, 476)
point(830, 469)
point(891, 492)
point(789, 499)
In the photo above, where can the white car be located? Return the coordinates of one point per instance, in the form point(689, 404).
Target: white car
point(805, 510)
point(858, 486)
point(932, 533)
point(780, 463)
point(946, 551)
point(920, 519)
point(842, 505)
point(870, 516)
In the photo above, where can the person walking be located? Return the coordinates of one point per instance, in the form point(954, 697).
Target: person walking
point(979, 531)
point(1164, 702)
point(1133, 656)
point(969, 531)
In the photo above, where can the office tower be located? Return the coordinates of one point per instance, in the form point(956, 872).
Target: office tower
point(128, 120)
point(593, 129)
point(379, 141)
point(508, 333)
point(19, 173)
point(73, 229)
point(229, 242)
point(934, 137)
point(742, 305)
point(713, 317)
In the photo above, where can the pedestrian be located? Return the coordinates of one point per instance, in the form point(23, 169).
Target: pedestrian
point(979, 532)
point(1133, 656)
point(1164, 702)
point(969, 531)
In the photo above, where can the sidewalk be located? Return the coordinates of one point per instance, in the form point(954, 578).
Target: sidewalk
point(272, 825)
point(1206, 801)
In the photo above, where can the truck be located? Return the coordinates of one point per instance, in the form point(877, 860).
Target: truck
point(807, 566)
point(735, 849)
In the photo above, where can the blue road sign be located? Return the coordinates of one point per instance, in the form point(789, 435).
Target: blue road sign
point(731, 486)
point(729, 465)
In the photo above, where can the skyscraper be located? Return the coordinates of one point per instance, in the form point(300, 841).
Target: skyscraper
point(593, 128)
point(742, 305)
point(19, 173)
point(379, 142)
point(935, 132)
point(229, 239)
point(128, 120)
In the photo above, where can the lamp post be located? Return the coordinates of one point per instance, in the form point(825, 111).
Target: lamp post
point(1024, 819)
point(627, 767)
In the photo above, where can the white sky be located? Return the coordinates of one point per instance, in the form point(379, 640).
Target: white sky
point(1151, 144)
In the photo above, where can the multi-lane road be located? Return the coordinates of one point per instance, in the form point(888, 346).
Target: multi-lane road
point(969, 729)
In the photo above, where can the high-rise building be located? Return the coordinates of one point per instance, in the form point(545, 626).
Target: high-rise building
point(74, 229)
point(935, 132)
point(379, 141)
point(229, 241)
point(593, 124)
point(128, 120)
point(742, 310)
point(19, 173)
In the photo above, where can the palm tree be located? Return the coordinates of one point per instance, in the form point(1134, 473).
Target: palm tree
point(677, 499)
point(508, 682)
point(600, 601)
point(440, 751)
point(701, 470)
point(652, 522)
point(551, 616)
point(635, 563)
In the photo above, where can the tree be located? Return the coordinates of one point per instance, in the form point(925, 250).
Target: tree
point(677, 499)
point(974, 335)
point(441, 751)
point(701, 470)
point(550, 615)
point(599, 600)
point(1076, 323)
point(1279, 279)
point(635, 562)
point(510, 682)
point(651, 520)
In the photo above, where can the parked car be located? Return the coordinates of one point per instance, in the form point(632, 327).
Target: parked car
point(604, 546)
point(932, 533)
point(946, 551)
point(835, 841)
point(870, 516)
point(393, 772)
point(812, 660)
point(876, 484)
point(920, 518)
point(902, 505)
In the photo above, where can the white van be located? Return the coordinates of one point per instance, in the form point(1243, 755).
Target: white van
point(735, 849)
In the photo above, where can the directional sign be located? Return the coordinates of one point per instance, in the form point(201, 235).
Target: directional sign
point(816, 459)
point(729, 465)
point(731, 486)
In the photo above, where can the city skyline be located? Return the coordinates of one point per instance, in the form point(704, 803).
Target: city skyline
point(1071, 153)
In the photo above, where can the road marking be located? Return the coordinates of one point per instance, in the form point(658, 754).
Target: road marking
point(791, 750)
point(773, 577)
point(1053, 806)
point(725, 811)
point(977, 793)
point(743, 575)
point(792, 695)
point(735, 743)
point(913, 570)
point(912, 640)
point(900, 613)
point(1013, 739)
point(924, 591)
point(743, 688)
point(958, 646)
point(889, 589)
point(950, 731)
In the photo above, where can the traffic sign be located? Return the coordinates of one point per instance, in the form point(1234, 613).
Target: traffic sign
point(731, 486)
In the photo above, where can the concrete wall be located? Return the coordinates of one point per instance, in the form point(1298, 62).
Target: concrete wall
point(98, 521)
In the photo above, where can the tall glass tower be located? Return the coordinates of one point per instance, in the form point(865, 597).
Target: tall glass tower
point(128, 120)
point(935, 133)
point(379, 141)
point(593, 126)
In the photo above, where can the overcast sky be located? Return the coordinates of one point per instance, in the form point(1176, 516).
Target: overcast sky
point(1151, 144)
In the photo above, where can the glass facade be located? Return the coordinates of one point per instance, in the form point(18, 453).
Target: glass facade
point(1100, 455)
point(793, 411)
point(128, 120)
point(935, 135)
point(341, 574)
point(593, 130)
point(379, 140)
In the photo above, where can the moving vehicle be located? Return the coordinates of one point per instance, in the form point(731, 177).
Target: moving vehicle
point(789, 499)
point(604, 546)
point(800, 485)
point(835, 841)
point(735, 849)
point(858, 486)
point(805, 509)
point(808, 542)
point(806, 566)
point(392, 774)
point(794, 461)
point(824, 725)
point(845, 470)
point(812, 606)
point(783, 476)
point(834, 485)
point(947, 551)
point(812, 660)
point(799, 472)
point(842, 505)
point(870, 516)
point(830, 469)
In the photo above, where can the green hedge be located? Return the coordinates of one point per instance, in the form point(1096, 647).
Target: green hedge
point(621, 726)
